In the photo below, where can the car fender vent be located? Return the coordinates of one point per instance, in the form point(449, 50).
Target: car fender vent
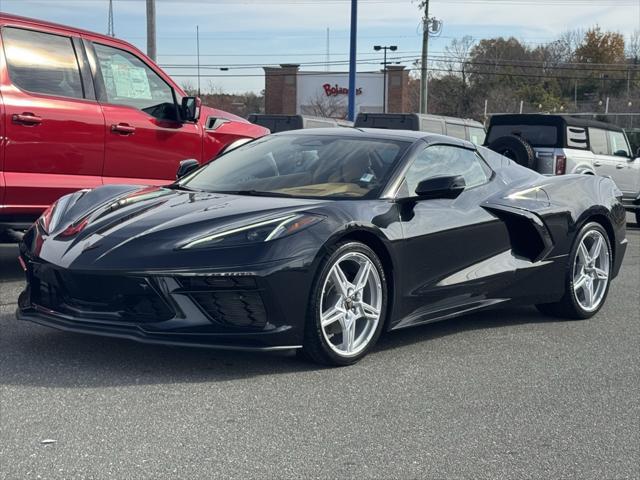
point(528, 235)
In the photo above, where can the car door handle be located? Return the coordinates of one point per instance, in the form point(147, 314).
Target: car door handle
point(123, 129)
point(596, 164)
point(619, 166)
point(26, 118)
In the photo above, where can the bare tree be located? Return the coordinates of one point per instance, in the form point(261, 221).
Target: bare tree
point(326, 107)
point(633, 47)
point(189, 88)
point(456, 65)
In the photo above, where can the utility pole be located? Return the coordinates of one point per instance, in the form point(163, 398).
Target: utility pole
point(352, 60)
point(151, 29)
point(328, 67)
point(198, 54)
point(423, 67)
point(110, 30)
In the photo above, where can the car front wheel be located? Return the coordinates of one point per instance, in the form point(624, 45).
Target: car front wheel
point(347, 306)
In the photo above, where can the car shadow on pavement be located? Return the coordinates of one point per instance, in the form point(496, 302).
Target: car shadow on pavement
point(37, 356)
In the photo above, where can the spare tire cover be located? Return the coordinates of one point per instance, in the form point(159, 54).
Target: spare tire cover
point(516, 148)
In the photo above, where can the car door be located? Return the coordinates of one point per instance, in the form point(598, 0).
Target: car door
point(443, 237)
point(603, 162)
point(627, 169)
point(54, 128)
point(145, 141)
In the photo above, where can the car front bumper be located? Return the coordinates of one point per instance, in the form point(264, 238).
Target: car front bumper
point(259, 309)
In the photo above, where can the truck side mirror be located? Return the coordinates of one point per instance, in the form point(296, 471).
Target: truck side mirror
point(190, 109)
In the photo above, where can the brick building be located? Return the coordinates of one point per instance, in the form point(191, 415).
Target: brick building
point(290, 91)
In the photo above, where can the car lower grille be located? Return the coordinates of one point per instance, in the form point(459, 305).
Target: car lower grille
point(228, 301)
point(98, 297)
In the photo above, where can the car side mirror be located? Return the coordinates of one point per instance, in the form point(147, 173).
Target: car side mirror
point(190, 109)
point(186, 166)
point(445, 186)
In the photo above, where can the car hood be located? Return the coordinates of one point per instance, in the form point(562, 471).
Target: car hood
point(119, 225)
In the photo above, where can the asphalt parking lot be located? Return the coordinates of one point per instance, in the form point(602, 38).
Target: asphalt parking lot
point(503, 394)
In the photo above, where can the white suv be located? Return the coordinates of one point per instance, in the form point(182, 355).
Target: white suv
point(561, 144)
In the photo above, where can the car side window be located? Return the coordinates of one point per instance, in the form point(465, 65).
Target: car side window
point(598, 141)
point(438, 160)
point(476, 135)
point(42, 62)
point(457, 131)
point(129, 81)
point(618, 144)
point(433, 126)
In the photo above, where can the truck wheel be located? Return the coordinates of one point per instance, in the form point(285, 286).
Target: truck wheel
point(515, 148)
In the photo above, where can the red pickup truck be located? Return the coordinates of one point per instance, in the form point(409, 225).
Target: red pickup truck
point(80, 109)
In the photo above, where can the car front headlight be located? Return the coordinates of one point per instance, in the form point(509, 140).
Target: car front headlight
point(257, 232)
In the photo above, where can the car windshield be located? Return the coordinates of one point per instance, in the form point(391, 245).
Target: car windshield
point(332, 166)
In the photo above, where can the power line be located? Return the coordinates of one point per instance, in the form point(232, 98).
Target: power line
point(433, 69)
point(596, 3)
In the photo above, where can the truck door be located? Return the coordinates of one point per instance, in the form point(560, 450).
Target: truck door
point(145, 141)
point(603, 162)
point(627, 167)
point(54, 128)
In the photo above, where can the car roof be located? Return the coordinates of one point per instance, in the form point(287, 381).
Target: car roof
point(555, 120)
point(373, 133)
point(454, 120)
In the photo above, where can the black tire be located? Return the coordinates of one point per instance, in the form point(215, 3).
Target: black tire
point(315, 346)
point(637, 212)
point(568, 307)
point(515, 148)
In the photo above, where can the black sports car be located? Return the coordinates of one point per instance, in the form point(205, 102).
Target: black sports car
point(320, 240)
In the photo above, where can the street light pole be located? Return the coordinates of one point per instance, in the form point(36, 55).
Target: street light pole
point(352, 60)
point(377, 48)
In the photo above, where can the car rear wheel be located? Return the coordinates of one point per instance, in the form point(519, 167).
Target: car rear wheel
point(588, 276)
point(347, 306)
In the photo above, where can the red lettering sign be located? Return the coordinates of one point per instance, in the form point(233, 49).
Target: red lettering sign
point(335, 90)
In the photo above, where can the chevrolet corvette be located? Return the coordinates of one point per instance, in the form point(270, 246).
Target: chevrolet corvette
point(321, 240)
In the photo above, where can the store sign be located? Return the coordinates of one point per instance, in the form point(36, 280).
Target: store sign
point(335, 90)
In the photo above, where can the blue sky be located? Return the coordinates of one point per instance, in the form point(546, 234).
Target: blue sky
point(257, 32)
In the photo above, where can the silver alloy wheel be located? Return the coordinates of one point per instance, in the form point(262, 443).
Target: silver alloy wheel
point(350, 304)
point(591, 270)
